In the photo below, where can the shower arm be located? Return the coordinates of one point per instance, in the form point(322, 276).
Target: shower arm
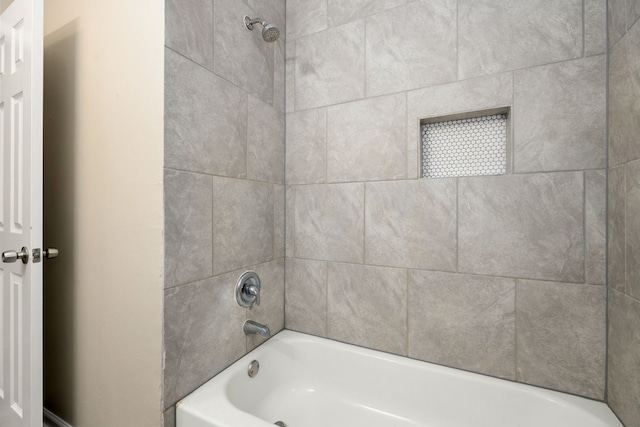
point(250, 22)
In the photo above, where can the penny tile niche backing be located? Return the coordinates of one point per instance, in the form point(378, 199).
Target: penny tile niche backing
point(473, 144)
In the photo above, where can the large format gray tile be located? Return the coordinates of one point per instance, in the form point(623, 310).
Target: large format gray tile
point(243, 224)
point(595, 27)
point(270, 312)
point(189, 29)
point(401, 52)
point(632, 226)
point(633, 12)
point(242, 56)
point(623, 393)
point(560, 116)
point(561, 336)
point(367, 306)
point(305, 17)
point(202, 334)
point(307, 146)
point(495, 37)
point(463, 321)
point(411, 224)
point(306, 296)
point(617, 17)
point(595, 227)
point(329, 222)
point(366, 139)
point(330, 67)
point(470, 95)
point(624, 98)
point(265, 142)
point(201, 136)
point(343, 11)
point(616, 228)
point(528, 226)
point(188, 227)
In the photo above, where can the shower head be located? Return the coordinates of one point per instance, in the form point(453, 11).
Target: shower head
point(270, 32)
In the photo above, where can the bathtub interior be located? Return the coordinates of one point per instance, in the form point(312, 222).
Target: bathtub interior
point(312, 382)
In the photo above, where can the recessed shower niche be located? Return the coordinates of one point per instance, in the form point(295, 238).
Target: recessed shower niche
point(469, 144)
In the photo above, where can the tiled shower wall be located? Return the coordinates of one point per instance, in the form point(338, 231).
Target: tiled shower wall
point(501, 275)
point(224, 184)
point(624, 210)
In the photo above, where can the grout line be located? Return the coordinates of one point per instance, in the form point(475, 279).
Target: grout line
point(246, 142)
point(406, 350)
point(515, 333)
point(167, 168)
point(213, 36)
point(458, 40)
point(630, 25)
point(236, 271)
point(285, 91)
point(419, 269)
point(293, 223)
point(512, 116)
point(326, 305)
point(584, 226)
point(584, 28)
point(606, 343)
point(625, 189)
point(213, 221)
point(624, 295)
point(406, 137)
point(375, 13)
point(364, 59)
point(457, 224)
point(326, 18)
point(364, 224)
point(447, 82)
point(256, 95)
point(390, 181)
point(606, 213)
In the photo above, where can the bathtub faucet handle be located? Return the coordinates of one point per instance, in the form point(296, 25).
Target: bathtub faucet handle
point(248, 289)
point(254, 291)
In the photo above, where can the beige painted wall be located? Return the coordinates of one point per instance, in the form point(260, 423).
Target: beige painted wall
point(104, 210)
point(4, 4)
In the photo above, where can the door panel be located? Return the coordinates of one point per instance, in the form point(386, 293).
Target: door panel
point(21, 213)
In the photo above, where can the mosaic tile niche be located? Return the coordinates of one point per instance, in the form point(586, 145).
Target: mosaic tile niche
point(465, 146)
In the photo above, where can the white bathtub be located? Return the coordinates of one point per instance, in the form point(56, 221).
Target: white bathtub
point(306, 381)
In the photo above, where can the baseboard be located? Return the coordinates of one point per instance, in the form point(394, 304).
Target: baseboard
point(56, 420)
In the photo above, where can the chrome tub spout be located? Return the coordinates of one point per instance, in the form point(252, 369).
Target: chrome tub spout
point(251, 327)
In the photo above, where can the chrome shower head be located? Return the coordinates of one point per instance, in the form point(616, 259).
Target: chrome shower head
point(270, 32)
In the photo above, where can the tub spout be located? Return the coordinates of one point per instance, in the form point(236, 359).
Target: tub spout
point(251, 327)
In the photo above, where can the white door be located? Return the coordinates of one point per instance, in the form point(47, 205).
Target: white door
point(21, 41)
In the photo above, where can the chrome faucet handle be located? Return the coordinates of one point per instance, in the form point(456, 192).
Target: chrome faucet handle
point(253, 291)
point(248, 289)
